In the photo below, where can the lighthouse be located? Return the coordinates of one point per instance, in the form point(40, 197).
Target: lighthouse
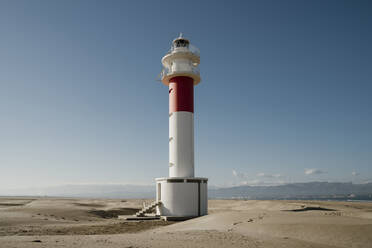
point(181, 194)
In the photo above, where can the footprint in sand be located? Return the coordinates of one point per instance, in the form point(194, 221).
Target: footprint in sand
point(236, 223)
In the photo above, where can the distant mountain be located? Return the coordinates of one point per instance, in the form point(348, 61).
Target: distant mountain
point(311, 190)
point(87, 190)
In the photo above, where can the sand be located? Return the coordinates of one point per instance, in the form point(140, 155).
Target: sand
point(62, 222)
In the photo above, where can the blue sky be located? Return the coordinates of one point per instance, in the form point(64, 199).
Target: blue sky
point(285, 93)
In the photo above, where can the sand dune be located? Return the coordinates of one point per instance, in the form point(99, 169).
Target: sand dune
point(58, 222)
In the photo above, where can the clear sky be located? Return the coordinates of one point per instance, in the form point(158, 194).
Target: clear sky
point(286, 91)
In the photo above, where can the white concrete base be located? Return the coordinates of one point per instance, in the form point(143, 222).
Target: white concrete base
point(182, 196)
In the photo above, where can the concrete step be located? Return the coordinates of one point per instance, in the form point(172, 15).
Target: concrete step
point(143, 218)
point(147, 209)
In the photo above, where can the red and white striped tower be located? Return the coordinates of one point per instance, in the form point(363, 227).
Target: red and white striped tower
point(181, 194)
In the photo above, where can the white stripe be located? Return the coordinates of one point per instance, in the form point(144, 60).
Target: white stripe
point(181, 144)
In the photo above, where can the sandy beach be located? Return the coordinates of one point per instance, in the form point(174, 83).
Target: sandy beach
point(62, 222)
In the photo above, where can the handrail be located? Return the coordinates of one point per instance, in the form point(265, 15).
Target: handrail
point(166, 71)
point(192, 49)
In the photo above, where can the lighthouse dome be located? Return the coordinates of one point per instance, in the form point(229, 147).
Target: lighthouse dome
point(181, 42)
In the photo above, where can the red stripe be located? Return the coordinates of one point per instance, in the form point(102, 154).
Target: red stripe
point(181, 94)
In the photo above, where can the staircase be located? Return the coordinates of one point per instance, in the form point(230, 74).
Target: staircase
point(147, 209)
